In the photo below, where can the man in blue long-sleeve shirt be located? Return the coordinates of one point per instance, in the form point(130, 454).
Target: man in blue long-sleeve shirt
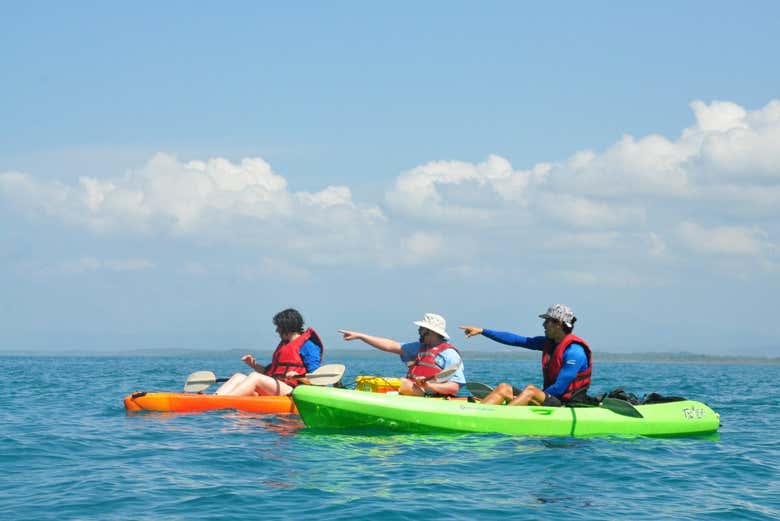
point(566, 361)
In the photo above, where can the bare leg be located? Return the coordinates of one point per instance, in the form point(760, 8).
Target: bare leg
point(226, 388)
point(531, 394)
point(502, 393)
point(260, 384)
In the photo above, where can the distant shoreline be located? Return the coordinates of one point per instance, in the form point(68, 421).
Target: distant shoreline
point(333, 354)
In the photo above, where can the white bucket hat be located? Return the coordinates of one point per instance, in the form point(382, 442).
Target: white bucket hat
point(435, 323)
point(561, 313)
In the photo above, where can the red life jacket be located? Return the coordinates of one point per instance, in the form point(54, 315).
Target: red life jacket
point(424, 364)
point(552, 361)
point(287, 357)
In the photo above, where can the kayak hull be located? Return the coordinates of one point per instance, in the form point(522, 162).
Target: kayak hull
point(329, 409)
point(192, 402)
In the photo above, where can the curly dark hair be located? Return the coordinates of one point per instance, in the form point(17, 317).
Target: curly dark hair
point(288, 321)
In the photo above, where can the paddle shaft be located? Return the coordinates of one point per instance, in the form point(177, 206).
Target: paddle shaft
point(296, 377)
point(444, 373)
point(323, 375)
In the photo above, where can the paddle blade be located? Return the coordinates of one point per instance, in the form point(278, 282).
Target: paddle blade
point(199, 380)
point(325, 374)
point(478, 389)
point(444, 374)
point(621, 407)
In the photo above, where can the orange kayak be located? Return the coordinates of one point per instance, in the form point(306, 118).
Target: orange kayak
point(193, 402)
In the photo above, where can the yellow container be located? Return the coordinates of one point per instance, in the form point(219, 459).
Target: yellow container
point(377, 384)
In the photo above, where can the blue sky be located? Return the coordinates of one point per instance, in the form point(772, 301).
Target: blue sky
point(172, 175)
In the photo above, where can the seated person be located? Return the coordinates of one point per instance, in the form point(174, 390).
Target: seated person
point(424, 358)
point(299, 352)
point(566, 361)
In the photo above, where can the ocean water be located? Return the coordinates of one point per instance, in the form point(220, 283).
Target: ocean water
point(69, 451)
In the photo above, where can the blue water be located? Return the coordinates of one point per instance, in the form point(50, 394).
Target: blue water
point(69, 451)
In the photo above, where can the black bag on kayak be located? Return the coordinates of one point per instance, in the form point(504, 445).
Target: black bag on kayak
point(657, 398)
point(620, 394)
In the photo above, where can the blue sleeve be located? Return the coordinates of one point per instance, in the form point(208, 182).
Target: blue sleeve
point(535, 343)
point(574, 361)
point(310, 352)
point(409, 351)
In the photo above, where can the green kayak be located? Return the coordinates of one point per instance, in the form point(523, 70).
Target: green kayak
point(332, 408)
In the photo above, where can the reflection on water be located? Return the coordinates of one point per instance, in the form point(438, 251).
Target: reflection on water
point(280, 424)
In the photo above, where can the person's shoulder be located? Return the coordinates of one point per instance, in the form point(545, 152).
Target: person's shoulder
point(451, 355)
point(409, 346)
point(575, 349)
point(452, 350)
point(310, 344)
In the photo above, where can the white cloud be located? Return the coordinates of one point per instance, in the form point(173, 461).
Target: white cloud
point(195, 198)
point(580, 212)
point(720, 178)
point(736, 144)
point(726, 240)
point(719, 116)
point(456, 191)
point(421, 247)
point(649, 166)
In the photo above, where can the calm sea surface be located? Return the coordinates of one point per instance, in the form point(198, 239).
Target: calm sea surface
point(69, 451)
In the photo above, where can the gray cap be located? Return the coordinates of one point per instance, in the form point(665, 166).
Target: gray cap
point(561, 313)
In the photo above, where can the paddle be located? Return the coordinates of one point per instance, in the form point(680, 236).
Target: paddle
point(620, 406)
point(480, 390)
point(444, 373)
point(323, 375)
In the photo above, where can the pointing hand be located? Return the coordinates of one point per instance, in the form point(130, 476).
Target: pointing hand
point(349, 335)
point(471, 330)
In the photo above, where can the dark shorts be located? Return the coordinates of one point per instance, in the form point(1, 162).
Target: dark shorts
point(551, 401)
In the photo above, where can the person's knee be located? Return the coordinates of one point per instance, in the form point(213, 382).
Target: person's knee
point(256, 378)
point(505, 389)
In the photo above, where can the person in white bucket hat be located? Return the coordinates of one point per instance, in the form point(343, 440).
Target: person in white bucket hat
point(566, 361)
point(425, 358)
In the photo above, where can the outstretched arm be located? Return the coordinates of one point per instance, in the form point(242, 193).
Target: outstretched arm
point(385, 344)
point(536, 343)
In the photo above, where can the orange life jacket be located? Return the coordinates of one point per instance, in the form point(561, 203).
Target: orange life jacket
point(552, 361)
point(287, 357)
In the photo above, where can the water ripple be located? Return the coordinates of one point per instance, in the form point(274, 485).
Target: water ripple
point(70, 452)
